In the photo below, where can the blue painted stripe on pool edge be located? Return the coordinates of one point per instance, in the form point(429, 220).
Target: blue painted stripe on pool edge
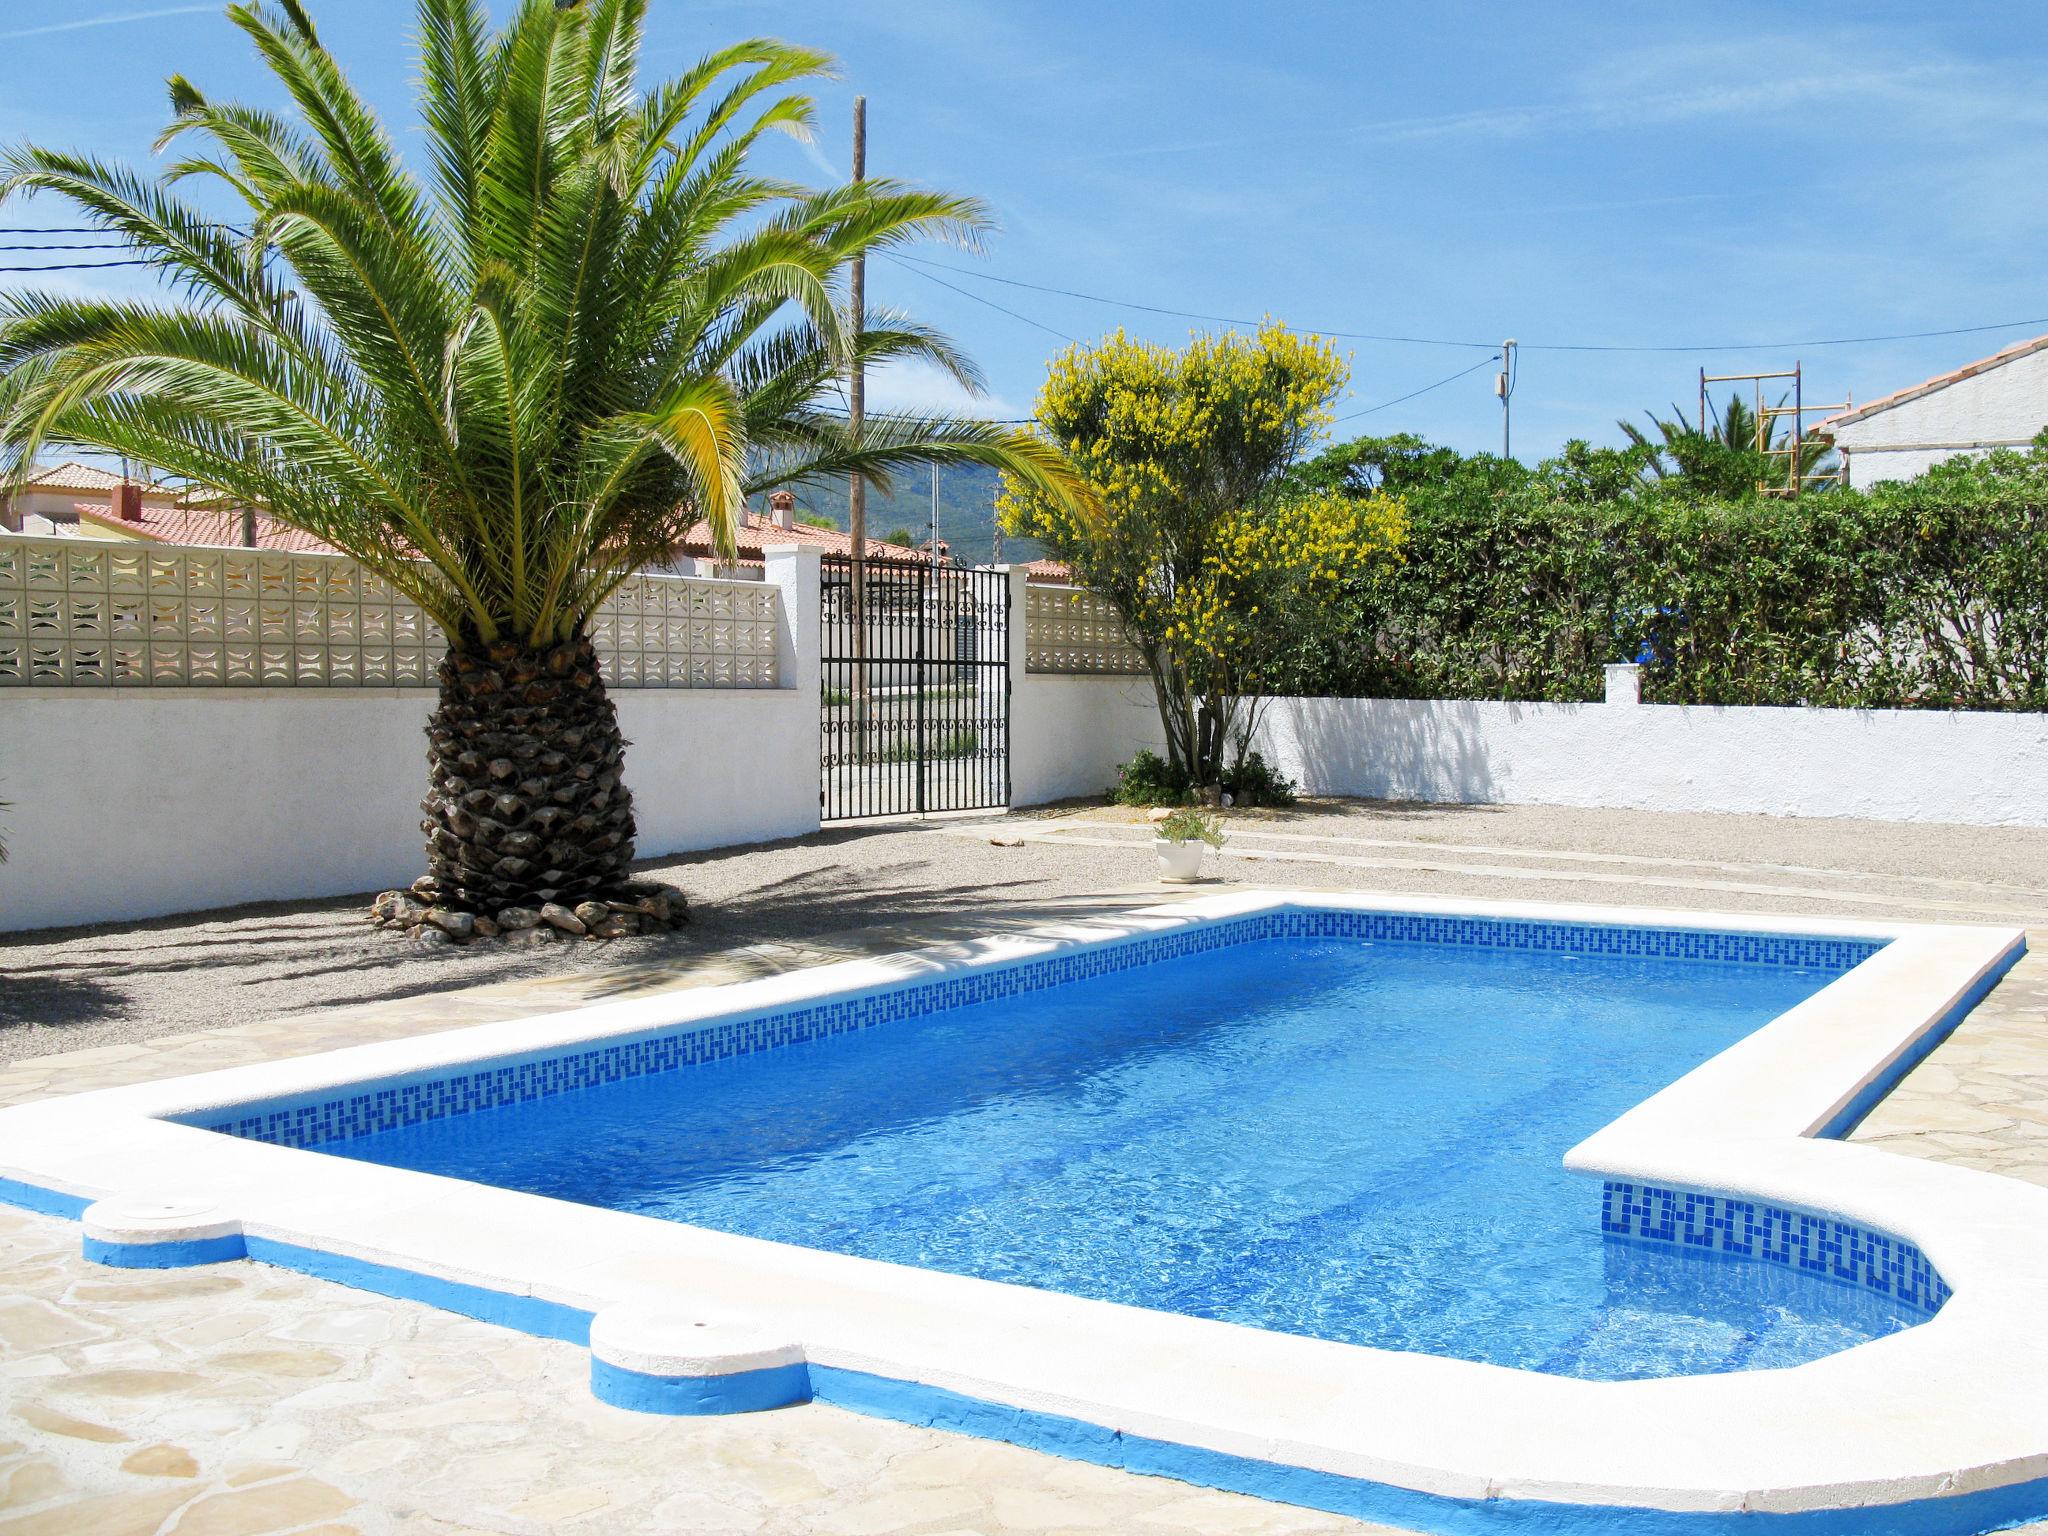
point(911, 1402)
point(175, 1255)
point(917, 1403)
point(775, 1386)
point(44, 1202)
point(523, 1314)
point(1872, 1093)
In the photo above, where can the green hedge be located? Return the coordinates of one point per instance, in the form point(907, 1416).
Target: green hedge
point(1929, 593)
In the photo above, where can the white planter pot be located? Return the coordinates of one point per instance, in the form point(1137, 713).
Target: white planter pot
point(1179, 862)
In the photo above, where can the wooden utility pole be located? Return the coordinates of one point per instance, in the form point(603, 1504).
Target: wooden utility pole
point(857, 382)
point(857, 486)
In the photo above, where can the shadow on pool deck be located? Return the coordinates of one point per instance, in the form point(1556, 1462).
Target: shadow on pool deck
point(62, 989)
point(769, 906)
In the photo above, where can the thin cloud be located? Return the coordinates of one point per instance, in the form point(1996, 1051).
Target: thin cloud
point(811, 152)
point(917, 388)
point(1599, 107)
point(113, 19)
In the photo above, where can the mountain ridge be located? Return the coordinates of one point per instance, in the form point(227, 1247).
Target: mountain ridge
point(967, 513)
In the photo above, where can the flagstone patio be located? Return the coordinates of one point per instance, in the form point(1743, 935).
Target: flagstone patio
point(240, 1400)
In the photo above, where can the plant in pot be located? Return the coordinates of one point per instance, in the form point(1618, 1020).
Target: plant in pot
point(1181, 839)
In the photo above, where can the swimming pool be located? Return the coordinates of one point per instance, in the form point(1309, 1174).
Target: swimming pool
point(1357, 1139)
point(1725, 1176)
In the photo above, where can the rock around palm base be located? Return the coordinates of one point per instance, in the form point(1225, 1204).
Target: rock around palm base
point(419, 912)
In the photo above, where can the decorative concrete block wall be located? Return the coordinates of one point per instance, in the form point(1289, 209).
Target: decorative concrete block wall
point(1073, 631)
point(89, 613)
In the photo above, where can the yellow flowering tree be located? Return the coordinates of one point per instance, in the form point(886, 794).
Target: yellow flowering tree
point(1208, 560)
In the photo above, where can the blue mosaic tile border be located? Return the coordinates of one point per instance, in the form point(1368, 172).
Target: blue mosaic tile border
point(1780, 949)
point(394, 1105)
point(1773, 1234)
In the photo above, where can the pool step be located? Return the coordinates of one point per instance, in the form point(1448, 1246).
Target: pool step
point(655, 1358)
point(147, 1232)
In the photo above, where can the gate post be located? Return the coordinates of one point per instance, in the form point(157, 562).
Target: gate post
point(799, 639)
point(1014, 639)
point(1016, 675)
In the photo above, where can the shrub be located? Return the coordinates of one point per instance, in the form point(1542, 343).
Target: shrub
point(1521, 584)
point(1148, 779)
point(1200, 542)
point(1257, 782)
point(953, 745)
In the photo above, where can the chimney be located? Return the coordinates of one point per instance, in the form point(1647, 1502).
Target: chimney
point(782, 508)
point(127, 497)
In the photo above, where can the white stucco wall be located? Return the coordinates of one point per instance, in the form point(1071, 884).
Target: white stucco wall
point(1892, 765)
point(1068, 734)
point(136, 802)
point(2002, 406)
point(1069, 731)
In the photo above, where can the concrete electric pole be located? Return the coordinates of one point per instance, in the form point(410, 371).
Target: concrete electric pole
point(1504, 386)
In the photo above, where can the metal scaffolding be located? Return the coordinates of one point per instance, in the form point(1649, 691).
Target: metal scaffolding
point(1796, 478)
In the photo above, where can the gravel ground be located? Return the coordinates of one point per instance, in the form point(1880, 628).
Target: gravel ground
point(67, 989)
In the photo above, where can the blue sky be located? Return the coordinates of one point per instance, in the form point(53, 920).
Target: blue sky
point(1561, 173)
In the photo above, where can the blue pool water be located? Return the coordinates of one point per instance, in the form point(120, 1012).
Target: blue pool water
point(1355, 1140)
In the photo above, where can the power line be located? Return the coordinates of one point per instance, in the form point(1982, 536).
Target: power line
point(1439, 384)
point(928, 277)
point(1026, 421)
point(1786, 346)
point(1444, 341)
point(89, 245)
point(988, 421)
point(1180, 314)
point(87, 266)
point(917, 264)
point(96, 229)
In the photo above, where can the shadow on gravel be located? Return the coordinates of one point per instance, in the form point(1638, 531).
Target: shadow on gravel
point(836, 894)
point(136, 980)
point(58, 1000)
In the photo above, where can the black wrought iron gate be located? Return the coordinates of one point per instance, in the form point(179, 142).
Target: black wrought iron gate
point(916, 689)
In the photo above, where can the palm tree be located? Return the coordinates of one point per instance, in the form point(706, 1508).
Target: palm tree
point(1723, 459)
point(503, 384)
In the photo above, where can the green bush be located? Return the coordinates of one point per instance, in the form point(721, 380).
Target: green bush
point(1257, 782)
point(952, 745)
point(1522, 584)
point(1148, 779)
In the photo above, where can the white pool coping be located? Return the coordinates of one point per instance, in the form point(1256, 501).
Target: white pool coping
point(1949, 1407)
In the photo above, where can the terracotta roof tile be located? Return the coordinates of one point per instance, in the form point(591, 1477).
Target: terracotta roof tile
point(206, 526)
point(71, 476)
point(760, 531)
point(2012, 353)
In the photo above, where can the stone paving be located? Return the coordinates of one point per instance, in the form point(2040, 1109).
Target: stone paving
point(239, 1400)
point(1981, 1099)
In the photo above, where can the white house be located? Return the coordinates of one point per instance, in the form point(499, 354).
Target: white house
point(2000, 401)
point(50, 501)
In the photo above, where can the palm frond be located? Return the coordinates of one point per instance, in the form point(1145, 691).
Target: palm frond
point(508, 381)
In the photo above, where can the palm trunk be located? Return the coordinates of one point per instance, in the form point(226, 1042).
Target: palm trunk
point(528, 802)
